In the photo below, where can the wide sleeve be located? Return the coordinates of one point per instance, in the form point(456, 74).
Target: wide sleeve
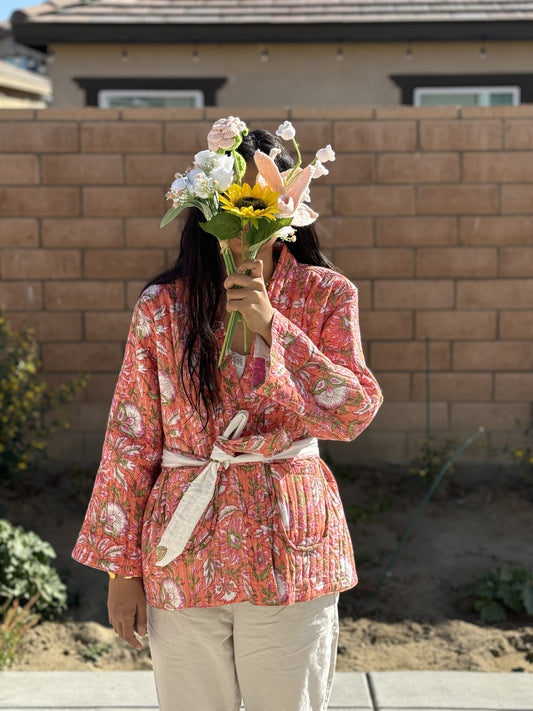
point(323, 379)
point(110, 538)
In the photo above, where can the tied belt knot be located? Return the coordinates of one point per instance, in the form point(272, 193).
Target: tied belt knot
point(196, 498)
point(219, 456)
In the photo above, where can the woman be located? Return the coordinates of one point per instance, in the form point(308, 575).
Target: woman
point(246, 604)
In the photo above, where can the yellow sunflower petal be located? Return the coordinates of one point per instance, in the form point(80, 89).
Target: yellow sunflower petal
point(250, 203)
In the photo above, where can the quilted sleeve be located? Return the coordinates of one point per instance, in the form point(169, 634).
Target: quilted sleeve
point(327, 385)
point(110, 535)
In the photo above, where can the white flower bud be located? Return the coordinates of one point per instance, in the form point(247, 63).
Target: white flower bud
point(205, 159)
point(221, 178)
point(286, 131)
point(325, 154)
point(319, 170)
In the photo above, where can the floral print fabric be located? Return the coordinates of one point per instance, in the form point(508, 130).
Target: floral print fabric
point(274, 533)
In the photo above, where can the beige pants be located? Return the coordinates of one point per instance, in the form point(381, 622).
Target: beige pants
point(276, 658)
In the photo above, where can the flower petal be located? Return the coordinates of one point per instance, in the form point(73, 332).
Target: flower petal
point(304, 215)
point(269, 171)
point(298, 189)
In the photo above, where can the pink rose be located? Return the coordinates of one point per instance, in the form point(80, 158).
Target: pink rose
point(224, 131)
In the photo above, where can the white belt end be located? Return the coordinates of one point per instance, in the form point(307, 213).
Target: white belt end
point(164, 557)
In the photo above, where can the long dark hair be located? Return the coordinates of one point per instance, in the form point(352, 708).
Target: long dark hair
point(200, 266)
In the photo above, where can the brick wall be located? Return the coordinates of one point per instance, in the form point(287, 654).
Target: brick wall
point(429, 211)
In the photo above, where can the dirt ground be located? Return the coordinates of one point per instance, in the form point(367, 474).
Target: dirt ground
point(422, 618)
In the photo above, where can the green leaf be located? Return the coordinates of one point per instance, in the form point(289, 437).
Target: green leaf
point(527, 598)
point(223, 225)
point(519, 575)
point(170, 215)
point(257, 236)
point(493, 612)
point(504, 574)
point(511, 599)
point(240, 165)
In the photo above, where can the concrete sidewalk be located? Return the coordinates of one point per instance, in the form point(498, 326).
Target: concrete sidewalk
point(374, 691)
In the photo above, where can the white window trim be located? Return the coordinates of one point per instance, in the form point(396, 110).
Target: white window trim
point(420, 91)
point(104, 95)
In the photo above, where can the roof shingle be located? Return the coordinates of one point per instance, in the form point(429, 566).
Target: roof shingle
point(202, 12)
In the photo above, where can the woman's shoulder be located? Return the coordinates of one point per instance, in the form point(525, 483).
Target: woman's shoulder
point(322, 278)
point(156, 295)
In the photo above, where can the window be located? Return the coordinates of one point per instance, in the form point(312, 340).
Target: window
point(163, 92)
point(467, 96)
point(121, 99)
point(510, 89)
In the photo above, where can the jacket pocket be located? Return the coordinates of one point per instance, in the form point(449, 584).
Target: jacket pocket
point(302, 497)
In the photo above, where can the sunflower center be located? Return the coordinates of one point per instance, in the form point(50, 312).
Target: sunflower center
point(253, 202)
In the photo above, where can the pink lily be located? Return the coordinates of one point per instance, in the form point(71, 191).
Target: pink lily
point(293, 193)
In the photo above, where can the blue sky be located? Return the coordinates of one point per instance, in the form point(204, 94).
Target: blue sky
point(9, 6)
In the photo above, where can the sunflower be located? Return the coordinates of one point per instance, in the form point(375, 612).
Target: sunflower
point(250, 203)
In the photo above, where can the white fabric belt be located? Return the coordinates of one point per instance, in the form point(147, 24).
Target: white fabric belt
point(197, 497)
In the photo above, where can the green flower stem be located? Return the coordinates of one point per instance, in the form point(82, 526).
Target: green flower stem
point(298, 162)
point(243, 232)
point(228, 338)
point(249, 251)
point(235, 316)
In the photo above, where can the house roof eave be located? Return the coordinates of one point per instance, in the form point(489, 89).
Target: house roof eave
point(41, 34)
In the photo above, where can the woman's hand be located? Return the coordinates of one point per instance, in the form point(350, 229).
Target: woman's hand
point(251, 299)
point(126, 605)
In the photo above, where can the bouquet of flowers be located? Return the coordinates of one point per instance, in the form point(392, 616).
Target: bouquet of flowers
point(233, 209)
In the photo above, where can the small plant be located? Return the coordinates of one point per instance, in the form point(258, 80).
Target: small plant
point(24, 400)
point(95, 651)
point(15, 621)
point(503, 590)
point(431, 458)
point(522, 455)
point(25, 571)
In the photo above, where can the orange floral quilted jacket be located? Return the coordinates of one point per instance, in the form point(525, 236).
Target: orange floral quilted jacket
point(274, 533)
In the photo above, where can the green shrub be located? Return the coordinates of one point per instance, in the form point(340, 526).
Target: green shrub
point(95, 651)
point(24, 400)
point(431, 458)
point(522, 454)
point(15, 621)
point(25, 571)
point(503, 590)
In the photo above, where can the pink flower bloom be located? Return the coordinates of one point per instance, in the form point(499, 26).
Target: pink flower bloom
point(285, 205)
point(130, 419)
point(330, 393)
point(114, 519)
point(171, 595)
point(293, 194)
point(222, 135)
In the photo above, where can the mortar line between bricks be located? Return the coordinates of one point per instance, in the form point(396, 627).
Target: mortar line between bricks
point(371, 691)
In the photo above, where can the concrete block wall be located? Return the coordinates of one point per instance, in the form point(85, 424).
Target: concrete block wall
point(428, 211)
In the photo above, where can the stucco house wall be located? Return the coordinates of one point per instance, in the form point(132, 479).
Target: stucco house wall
point(295, 74)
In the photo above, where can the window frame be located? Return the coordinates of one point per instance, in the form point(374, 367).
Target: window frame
point(419, 91)
point(407, 83)
point(105, 94)
point(94, 85)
